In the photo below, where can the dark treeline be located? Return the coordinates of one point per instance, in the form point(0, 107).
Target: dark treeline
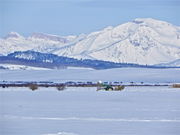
point(37, 59)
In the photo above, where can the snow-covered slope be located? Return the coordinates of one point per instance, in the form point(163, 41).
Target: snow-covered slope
point(21, 67)
point(141, 41)
point(175, 63)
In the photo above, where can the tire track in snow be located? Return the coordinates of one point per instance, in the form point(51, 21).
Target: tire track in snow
point(90, 119)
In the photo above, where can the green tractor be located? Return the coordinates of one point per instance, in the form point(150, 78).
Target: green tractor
point(110, 87)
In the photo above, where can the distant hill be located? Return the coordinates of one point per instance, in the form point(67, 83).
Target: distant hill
point(37, 59)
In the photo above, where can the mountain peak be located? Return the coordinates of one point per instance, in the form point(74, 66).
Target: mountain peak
point(150, 22)
point(48, 37)
point(13, 35)
point(144, 19)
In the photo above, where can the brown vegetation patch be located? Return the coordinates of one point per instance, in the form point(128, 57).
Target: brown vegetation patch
point(176, 85)
point(33, 87)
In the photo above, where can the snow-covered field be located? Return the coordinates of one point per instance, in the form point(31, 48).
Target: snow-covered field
point(125, 75)
point(84, 111)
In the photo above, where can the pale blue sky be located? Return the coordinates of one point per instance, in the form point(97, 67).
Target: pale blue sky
point(68, 17)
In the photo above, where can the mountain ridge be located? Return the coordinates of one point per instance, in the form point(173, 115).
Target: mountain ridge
point(51, 61)
point(143, 41)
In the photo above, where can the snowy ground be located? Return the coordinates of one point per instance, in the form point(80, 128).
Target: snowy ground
point(84, 111)
point(120, 74)
point(21, 67)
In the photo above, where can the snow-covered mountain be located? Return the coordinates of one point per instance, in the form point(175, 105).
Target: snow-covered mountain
point(142, 41)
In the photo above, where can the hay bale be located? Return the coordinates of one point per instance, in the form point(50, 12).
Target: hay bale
point(119, 87)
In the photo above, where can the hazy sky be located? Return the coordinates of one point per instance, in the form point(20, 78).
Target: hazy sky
point(67, 17)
